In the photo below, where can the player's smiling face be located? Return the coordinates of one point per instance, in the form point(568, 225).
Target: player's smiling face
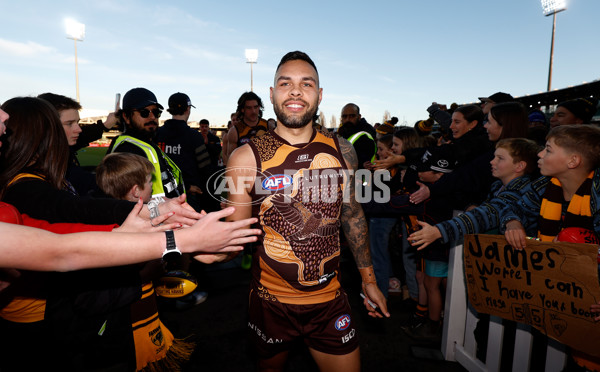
point(296, 94)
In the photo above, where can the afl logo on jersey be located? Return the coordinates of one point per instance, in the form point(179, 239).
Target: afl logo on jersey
point(277, 182)
point(342, 322)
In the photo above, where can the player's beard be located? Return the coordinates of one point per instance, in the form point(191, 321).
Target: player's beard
point(292, 121)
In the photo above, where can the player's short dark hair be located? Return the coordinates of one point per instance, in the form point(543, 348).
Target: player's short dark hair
point(295, 56)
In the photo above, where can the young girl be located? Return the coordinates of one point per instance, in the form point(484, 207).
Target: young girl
point(381, 227)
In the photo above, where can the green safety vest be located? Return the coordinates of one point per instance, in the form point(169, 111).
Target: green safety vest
point(162, 182)
point(353, 138)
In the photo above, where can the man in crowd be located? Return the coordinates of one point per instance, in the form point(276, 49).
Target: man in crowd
point(212, 142)
point(186, 147)
point(359, 133)
point(140, 115)
point(574, 111)
point(295, 291)
point(68, 109)
point(249, 123)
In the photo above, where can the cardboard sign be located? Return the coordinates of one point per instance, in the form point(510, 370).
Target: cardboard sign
point(549, 286)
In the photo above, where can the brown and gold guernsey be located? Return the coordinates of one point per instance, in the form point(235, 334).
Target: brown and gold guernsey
point(246, 132)
point(298, 197)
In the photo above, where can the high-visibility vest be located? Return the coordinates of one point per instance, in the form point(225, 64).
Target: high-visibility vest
point(163, 182)
point(353, 138)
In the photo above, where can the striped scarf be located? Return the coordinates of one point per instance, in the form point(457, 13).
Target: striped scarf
point(578, 212)
point(155, 347)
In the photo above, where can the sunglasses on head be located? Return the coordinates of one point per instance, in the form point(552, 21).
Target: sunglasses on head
point(145, 112)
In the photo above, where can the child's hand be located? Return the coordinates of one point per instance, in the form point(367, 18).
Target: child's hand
point(427, 235)
point(389, 162)
point(515, 234)
point(421, 194)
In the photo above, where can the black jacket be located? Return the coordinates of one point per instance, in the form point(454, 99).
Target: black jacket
point(365, 147)
point(185, 146)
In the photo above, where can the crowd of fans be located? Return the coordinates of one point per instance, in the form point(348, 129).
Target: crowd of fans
point(479, 159)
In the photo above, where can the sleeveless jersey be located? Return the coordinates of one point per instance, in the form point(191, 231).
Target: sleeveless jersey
point(246, 132)
point(298, 197)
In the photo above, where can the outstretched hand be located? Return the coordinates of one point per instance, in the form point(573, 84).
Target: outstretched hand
point(211, 236)
point(183, 212)
point(421, 194)
point(388, 162)
point(425, 236)
point(368, 165)
point(135, 223)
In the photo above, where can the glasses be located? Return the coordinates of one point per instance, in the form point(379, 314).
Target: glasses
point(145, 112)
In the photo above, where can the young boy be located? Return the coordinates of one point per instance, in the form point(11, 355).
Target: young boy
point(567, 195)
point(125, 176)
point(128, 176)
point(571, 180)
point(515, 159)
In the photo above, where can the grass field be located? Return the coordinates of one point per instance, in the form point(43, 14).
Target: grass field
point(90, 157)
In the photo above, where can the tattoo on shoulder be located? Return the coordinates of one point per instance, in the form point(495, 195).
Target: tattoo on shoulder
point(348, 153)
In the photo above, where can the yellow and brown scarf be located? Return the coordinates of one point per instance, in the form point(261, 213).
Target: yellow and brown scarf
point(578, 214)
point(551, 222)
point(155, 347)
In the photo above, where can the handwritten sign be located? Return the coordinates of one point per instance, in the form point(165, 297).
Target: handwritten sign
point(549, 286)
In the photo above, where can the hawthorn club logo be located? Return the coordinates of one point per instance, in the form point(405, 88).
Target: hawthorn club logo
point(228, 184)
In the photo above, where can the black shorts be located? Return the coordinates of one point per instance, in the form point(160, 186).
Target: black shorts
point(326, 327)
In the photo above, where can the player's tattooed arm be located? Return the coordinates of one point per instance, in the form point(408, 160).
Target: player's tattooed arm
point(352, 216)
point(354, 226)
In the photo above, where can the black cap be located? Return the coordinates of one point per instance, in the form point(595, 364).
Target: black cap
point(498, 97)
point(180, 100)
point(138, 98)
point(437, 159)
point(582, 108)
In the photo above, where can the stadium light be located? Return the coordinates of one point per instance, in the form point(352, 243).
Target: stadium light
point(75, 31)
point(251, 58)
point(550, 8)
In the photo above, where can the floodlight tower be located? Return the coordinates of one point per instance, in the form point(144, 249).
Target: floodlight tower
point(251, 58)
point(75, 31)
point(551, 7)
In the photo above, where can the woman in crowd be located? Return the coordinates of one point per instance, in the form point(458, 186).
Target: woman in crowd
point(470, 183)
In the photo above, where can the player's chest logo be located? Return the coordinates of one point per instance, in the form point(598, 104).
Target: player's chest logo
point(277, 182)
